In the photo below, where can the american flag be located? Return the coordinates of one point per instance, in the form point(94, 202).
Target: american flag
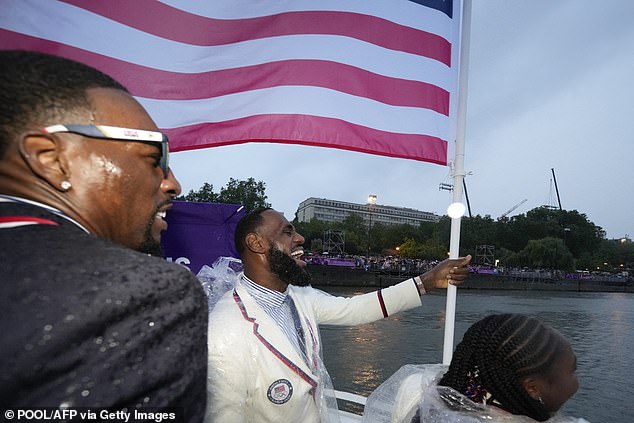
point(374, 76)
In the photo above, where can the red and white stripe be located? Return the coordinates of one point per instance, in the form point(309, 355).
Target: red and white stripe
point(8, 222)
point(377, 76)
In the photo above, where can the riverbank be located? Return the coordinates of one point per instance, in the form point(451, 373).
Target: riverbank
point(339, 276)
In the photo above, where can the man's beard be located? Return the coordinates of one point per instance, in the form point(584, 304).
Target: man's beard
point(286, 269)
point(150, 245)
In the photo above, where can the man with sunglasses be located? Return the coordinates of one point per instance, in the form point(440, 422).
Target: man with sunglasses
point(87, 321)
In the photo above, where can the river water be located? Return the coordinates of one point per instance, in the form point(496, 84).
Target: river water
point(600, 327)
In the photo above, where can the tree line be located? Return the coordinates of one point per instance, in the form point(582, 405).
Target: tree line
point(541, 238)
point(249, 193)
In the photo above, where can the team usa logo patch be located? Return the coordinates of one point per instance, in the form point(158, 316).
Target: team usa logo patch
point(280, 391)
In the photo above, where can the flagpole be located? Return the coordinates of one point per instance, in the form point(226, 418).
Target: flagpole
point(458, 174)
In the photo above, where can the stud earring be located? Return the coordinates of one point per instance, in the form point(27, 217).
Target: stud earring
point(541, 401)
point(65, 185)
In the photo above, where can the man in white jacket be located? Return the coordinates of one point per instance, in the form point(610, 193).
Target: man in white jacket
point(265, 350)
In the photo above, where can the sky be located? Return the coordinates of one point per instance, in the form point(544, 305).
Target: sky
point(551, 86)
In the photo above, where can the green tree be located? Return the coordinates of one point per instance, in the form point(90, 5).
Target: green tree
point(356, 232)
point(249, 193)
point(435, 249)
point(546, 253)
point(316, 244)
point(477, 230)
point(313, 233)
point(431, 249)
point(410, 249)
point(204, 195)
point(578, 233)
point(611, 255)
point(624, 254)
point(540, 238)
point(388, 237)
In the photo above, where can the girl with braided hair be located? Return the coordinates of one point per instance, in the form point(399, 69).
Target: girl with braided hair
point(508, 368)
point(516, 363)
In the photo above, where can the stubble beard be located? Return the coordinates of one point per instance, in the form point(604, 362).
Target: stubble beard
point(150, 245)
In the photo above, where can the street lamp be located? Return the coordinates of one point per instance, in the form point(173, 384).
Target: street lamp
point(566, 230)
point(371, 201)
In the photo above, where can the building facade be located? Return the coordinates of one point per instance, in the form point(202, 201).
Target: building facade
point(336, 211)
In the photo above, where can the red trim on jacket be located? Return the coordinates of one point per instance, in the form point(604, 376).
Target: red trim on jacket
point(382, 303)
point(16, 221)
point(270, 347)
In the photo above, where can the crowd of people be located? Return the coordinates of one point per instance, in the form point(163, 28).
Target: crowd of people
point(396, 265)
point(94, 317)
point(386, 264)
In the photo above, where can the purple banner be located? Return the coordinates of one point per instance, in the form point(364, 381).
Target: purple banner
point(199, 233)
point(332, 261)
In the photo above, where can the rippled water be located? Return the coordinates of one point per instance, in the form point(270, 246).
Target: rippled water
point(600, 327)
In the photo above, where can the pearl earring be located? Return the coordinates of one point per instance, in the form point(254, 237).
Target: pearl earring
point(65, 185)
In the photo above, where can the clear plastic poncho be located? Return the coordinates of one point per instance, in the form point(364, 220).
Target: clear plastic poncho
point(220, 278)
point(413, 388)
point(223, 276)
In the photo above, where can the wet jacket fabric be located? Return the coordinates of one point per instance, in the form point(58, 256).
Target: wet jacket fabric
point(257, 374)
point(88, 323)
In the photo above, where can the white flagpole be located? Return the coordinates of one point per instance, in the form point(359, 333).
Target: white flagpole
point(458, 174)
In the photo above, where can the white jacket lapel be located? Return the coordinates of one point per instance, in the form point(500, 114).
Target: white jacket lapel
point(270, 335)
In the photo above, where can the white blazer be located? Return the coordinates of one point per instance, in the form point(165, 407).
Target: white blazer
point(255, 373)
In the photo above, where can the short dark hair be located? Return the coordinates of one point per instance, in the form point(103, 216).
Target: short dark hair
point(248, 224)
point(38, 89)
point(499, 351)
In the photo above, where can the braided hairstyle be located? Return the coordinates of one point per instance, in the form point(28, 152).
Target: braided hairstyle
point(499, 351)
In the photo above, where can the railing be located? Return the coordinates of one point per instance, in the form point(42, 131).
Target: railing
point(357, 401)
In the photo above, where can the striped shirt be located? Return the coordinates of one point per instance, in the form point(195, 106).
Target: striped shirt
point(281, 308)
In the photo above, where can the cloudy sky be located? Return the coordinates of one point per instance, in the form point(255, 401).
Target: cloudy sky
point(551, 85)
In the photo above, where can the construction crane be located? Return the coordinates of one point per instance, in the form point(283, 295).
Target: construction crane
point(513, 208)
